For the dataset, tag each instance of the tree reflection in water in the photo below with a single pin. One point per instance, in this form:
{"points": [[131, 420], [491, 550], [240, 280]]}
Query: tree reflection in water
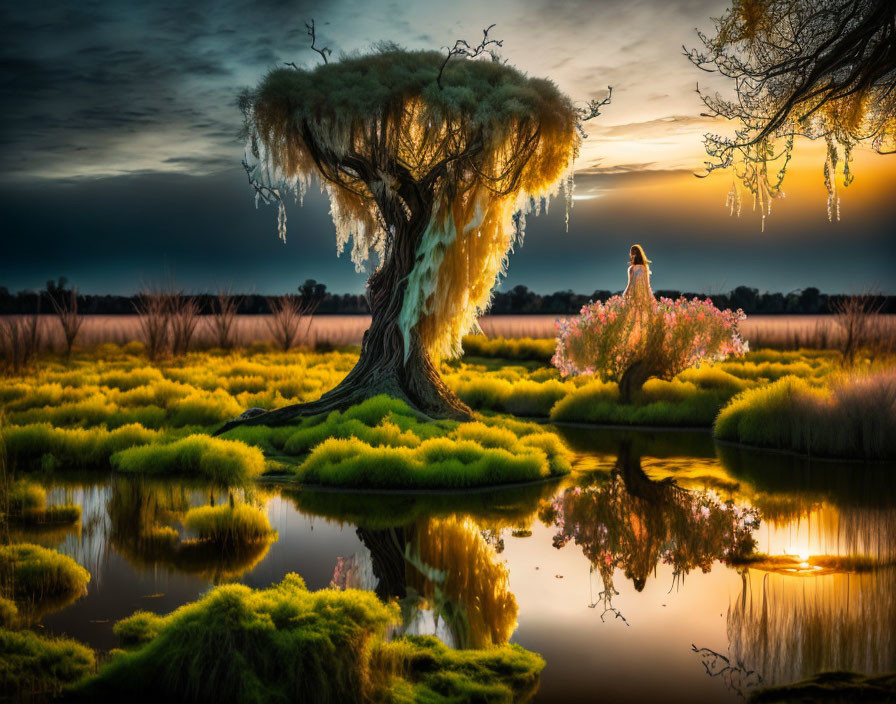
{"points": [[147, 527], [632, 523], [446, 576]]}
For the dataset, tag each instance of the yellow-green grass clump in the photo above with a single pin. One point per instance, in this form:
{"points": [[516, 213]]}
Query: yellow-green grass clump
{"points": [[229, 526], [42, 446], [507, 348], [660, 403], [39, 667], [225, 461], [382, 443], [429, 671], [286, 644], [38, 579], [28, 506], [852, 417]]}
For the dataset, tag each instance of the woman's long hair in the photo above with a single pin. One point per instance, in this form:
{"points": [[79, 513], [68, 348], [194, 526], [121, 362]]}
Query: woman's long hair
{"points": [[638, 257]]}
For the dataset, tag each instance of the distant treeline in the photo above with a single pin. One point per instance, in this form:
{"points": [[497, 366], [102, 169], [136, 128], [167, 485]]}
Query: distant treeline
{"points": [[518, 301]]}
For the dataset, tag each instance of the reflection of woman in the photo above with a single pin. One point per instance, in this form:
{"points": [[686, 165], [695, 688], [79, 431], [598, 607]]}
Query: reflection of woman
{"points": [[638, 288]]}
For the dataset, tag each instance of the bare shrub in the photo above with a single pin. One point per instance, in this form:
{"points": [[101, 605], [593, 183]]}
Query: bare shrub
{"points": [[154, 312], [184, 317], [68, 316], [223, 318], [12, 348], [286, 319], [855, 315], [20, 341]]}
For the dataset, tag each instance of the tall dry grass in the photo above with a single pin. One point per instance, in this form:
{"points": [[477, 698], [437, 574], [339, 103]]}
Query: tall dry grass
{"points": [[328, 331]]}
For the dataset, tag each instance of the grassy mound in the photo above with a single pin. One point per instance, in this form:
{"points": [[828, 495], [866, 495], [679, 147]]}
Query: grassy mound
{"points": [[383, 444], [34, 666], [852, 418], [229, 526], [286, 644], [675, 403], [39, 579], [28, 507], [429, 671], [220, 460]]}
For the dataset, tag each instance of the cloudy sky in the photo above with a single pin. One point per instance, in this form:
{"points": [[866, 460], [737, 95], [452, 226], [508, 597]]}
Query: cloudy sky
{"points": [[120, 160]]}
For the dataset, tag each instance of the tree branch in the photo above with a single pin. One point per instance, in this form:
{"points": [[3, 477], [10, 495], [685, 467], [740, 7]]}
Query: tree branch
{"points": [[323, 52], [462, 48], [592, 110]]}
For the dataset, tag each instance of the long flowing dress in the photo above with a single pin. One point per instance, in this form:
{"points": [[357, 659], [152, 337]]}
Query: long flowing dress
{"points": [[639, 297], [638, 289]]}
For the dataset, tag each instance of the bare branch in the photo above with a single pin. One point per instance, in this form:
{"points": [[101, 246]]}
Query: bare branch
{"points": [[592, 110], [462, 48], [326, 51]]}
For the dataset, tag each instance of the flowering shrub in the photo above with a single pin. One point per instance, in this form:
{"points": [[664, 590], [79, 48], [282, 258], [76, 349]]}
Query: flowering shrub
{"points": [[625, 338]]}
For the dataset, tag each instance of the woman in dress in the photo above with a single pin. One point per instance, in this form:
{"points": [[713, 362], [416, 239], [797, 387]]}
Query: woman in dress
{"points": [[638, 288]]}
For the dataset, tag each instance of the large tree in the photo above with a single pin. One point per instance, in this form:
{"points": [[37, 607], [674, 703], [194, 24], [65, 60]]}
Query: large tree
{"points": [[822, 69], [430, 166]]}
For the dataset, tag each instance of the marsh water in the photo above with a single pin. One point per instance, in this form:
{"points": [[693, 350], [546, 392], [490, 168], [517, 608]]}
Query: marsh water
{"points": [[627, 576]]}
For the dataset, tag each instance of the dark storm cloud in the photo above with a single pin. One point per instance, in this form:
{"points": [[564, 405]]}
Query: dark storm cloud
{"points": [[108, 76]]}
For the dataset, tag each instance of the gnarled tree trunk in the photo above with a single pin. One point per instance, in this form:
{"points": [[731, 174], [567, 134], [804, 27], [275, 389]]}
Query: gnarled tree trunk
{"points": [[633, 379], [382, 367]]}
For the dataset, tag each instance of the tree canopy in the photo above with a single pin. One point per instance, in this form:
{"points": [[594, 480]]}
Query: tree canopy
{"points": [[822, 69], [391, 145]]}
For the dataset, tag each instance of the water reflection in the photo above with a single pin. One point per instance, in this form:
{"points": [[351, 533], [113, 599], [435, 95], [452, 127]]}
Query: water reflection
{"points": [[148, 522], [629, 522], [481, 568], [788, 629]]}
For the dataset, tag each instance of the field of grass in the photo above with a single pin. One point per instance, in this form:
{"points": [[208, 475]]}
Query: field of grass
{"points": [[109, 408]]}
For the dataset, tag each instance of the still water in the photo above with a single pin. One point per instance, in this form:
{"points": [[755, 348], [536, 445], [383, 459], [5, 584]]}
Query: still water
{"points": [[626, 576]]}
